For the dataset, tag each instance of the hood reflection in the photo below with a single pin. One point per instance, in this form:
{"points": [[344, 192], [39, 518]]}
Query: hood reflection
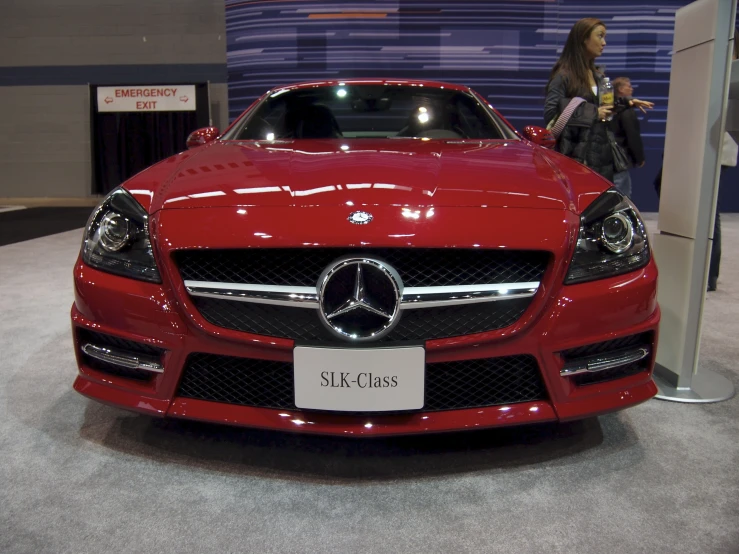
{"points": [[368, 172]]}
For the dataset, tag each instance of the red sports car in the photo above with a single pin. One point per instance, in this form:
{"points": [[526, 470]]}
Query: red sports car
{"points": [[367, 257]]}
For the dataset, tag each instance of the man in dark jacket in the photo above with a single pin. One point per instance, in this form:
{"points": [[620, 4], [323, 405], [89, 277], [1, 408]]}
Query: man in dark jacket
{"points": [[625, 127]]}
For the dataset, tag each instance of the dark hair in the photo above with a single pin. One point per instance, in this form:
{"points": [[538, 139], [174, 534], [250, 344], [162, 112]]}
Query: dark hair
{"points": [[574, 61]]}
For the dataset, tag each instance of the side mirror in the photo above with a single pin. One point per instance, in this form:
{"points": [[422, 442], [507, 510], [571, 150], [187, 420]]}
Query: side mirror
{"points": [[202, 136], [540, 136]]}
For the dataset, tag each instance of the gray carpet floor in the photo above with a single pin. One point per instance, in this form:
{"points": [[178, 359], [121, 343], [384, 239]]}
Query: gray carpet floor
{"points": [[77, 476]]}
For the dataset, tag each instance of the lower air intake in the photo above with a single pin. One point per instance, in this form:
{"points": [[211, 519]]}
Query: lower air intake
{"points": [[134, 348], [608, 347], [449, 385]]}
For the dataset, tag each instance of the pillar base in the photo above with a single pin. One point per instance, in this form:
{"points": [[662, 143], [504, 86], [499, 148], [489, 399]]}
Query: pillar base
{"points": [[705, 386]]}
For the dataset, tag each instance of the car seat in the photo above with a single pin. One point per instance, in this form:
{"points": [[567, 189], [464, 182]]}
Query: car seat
{"points": [[311, 122]]}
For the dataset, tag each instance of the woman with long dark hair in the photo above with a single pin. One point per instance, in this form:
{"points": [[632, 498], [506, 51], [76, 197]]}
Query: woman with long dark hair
{"points": [[585, 137]]}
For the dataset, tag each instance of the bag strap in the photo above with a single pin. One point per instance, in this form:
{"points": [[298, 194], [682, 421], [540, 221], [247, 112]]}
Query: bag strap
{"points": [[564, 117]]}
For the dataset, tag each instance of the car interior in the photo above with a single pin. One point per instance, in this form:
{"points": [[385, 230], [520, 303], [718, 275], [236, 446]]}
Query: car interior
{"points": [[366, 113], [310, 122]]}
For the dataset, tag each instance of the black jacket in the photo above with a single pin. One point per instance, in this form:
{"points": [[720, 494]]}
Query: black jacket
{"points": [[625, 127], [585, 138]]}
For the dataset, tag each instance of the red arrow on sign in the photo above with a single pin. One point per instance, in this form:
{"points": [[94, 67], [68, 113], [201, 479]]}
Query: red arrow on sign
{"points": [[184, 98], [108, 99]]}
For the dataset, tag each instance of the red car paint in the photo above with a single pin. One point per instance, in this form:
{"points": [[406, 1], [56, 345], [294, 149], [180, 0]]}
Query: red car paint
{"points": [[495, 194]]}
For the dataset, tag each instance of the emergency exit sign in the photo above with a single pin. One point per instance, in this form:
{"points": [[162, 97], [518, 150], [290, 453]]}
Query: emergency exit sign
{"points": [[152, 98]]}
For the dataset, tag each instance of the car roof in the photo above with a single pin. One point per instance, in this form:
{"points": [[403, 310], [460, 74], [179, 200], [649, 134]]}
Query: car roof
{"points": [[369, 81]]}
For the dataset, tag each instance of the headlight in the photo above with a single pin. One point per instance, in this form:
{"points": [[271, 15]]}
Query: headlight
{"points": [[117, 239], [612, 240]]}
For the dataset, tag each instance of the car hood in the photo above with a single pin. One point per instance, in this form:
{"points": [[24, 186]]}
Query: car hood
{"points": [[367, 172]]}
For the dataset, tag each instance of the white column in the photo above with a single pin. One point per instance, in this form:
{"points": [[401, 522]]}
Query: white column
{"points": [[699, 80]]}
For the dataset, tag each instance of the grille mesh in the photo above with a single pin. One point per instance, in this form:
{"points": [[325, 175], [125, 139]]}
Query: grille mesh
{"points": [[608, 346], [486, 382], [304, 324], [243, 381], [449, 385], [418, 267]]}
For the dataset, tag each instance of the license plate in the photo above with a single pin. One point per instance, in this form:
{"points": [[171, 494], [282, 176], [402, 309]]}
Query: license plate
{"points": [[359, 379]]}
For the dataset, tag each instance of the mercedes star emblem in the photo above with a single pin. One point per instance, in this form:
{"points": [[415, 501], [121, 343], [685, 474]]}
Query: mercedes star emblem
{"points": [[359, 298], [360, 218]]}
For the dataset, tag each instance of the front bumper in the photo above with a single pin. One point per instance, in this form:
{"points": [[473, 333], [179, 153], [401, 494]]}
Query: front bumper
{"points": [[568, 318]]}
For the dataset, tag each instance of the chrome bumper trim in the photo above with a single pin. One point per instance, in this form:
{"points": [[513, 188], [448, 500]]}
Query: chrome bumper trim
{"points": [[413, 297], [601, 362], [123, 359]]}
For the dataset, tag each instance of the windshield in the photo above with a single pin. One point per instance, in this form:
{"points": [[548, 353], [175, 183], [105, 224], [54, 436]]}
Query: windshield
{"points": [[370, 111]]}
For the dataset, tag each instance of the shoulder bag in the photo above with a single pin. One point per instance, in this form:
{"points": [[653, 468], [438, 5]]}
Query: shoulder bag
{"points": [[621, 160]]}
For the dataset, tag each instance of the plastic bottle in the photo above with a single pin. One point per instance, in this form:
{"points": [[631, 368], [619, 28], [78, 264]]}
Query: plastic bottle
{"points": [[605, 92]]}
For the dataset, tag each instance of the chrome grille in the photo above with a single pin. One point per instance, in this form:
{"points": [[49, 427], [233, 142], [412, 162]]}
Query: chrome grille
{"points": [[419, 268]]}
